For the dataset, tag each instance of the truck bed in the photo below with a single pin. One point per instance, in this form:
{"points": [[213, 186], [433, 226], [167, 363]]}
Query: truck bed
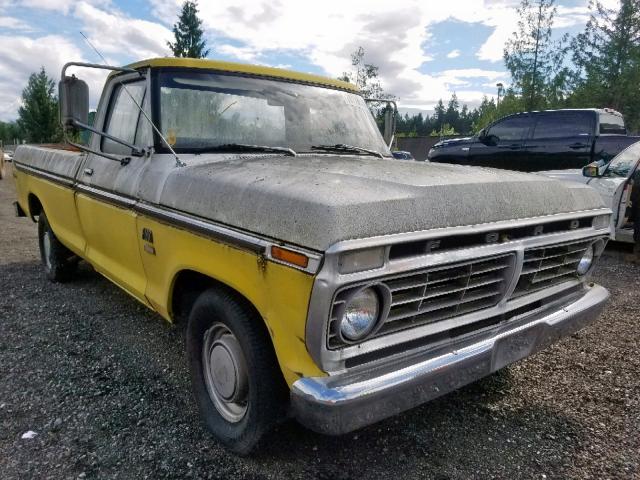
{"points": [[60, 159]]}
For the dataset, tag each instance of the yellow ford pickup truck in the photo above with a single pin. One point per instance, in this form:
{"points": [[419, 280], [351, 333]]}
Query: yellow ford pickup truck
{"points": [[317, 277]]}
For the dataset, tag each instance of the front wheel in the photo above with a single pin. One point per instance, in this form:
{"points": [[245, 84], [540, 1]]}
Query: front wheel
{"points": [[237, 384], [59, 262]]}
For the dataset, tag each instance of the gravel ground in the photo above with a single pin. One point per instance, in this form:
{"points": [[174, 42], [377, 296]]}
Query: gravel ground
{"points": [[103, 383]]}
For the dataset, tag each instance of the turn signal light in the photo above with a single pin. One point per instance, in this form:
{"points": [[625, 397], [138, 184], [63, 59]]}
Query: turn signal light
{"points": [[289, 256]]}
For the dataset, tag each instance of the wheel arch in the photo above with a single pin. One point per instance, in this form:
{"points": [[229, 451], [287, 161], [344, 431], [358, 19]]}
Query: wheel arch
{"points": [[34, 205], [188, 284]]}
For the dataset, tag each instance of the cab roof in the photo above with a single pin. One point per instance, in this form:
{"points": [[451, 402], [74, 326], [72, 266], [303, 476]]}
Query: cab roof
{"points": [[233, 67]]}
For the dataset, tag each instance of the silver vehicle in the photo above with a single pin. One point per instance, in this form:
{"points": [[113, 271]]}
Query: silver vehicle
{"points": [[613, 181]]}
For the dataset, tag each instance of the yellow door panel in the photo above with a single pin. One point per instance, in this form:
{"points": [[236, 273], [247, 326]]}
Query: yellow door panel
{"points": [[279, 293], [58, 204], [112, 246]]}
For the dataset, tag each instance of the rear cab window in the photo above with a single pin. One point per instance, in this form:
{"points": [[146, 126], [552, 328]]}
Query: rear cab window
{"points": [[612, 124]]}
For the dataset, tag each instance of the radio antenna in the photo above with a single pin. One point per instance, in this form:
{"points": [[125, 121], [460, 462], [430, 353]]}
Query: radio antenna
{"points": [[179, 163]]}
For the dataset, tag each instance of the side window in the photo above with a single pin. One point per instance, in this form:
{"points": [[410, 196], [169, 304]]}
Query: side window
{"points": [[123, 117], [610, 123], [511, 129], [563, 125]]}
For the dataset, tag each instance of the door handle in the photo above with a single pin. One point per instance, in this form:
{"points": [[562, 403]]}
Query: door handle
{"points": [[88, 171], [575, 146], [515, 146]]}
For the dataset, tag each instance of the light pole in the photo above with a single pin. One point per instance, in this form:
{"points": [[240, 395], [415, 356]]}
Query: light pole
{"points": [[500, 90]]}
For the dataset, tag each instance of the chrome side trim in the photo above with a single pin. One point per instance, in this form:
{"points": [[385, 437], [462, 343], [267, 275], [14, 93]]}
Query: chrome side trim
{"points": [[53, 177], [109, 197], [342, 403], [236, 238], [182, 220]]}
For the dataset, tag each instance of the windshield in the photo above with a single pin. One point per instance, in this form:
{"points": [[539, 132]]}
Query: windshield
{"points": [[624, 162], [200, 110]]}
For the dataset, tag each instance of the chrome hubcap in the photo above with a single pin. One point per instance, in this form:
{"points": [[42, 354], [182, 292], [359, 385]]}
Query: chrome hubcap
{"points": [[225, 372], [46, 244]]}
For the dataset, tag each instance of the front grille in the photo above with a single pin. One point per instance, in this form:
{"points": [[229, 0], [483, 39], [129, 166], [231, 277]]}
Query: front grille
{"points": [[551, 265], [431, 295], [453, 242]]}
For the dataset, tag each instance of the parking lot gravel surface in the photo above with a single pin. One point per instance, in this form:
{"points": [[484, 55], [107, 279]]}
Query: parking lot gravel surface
{"points": [[102, 383]]}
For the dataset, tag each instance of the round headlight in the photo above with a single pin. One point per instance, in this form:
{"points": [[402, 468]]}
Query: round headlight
{"points": [[586, 261], [360, 315]]}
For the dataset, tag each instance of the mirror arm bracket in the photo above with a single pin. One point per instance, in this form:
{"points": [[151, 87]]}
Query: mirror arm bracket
{"points": [[135, 151], [122, 161], [97, 65]]}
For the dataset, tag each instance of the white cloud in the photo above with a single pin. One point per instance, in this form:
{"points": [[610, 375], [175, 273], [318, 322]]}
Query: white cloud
{"points": [[12, 23], [395, 37], [115, 33], [61, 6], [246, 54], [505, 23], [50, 52]]}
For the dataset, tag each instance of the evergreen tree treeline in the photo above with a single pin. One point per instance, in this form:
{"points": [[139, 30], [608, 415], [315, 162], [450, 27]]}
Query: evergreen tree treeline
{"points": [[598, 68]]}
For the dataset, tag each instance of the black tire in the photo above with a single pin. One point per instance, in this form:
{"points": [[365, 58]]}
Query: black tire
{"points": [[266, 398], [59, 262]]}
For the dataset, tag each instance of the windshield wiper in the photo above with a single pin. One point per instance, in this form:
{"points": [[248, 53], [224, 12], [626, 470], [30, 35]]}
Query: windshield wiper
{"points": [[243, 147], [341, 147]]}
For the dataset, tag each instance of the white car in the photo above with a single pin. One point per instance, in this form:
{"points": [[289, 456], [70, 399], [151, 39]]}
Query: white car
{"points": [[613, 181]]}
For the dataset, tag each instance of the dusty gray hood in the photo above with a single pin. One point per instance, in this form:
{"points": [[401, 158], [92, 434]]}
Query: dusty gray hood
{"points": [[573, 175], [315, 201]]}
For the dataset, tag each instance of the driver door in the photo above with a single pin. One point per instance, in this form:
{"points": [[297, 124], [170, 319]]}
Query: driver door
{"points": [[107, 188]]}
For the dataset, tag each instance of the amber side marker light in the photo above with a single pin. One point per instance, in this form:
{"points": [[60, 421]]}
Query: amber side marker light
{"points": [[289, 256]]}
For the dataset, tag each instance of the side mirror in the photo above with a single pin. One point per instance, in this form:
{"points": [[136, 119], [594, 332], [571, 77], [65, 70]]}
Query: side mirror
{"points": [[389, 124], [594, 169], [74, 102], [390, 115]]}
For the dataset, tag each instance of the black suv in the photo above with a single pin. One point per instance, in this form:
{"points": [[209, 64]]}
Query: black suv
{"points": [[535, 141]]}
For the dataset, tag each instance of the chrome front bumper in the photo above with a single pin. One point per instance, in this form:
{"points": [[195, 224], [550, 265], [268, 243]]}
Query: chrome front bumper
{"points": [[341, 403]]}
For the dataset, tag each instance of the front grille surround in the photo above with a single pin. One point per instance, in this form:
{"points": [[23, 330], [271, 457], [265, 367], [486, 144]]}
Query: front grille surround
{"points": [[445, 292], [330, 280]]}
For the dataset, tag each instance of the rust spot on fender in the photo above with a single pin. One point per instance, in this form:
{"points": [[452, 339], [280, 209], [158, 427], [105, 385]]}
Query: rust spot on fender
{"points": [[262, 263]]}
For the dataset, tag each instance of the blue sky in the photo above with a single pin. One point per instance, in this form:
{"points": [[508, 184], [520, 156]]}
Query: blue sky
{"points": [[425, 49]]}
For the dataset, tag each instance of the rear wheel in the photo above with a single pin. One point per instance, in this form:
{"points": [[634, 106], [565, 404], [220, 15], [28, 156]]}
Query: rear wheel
{"points": [[59, 262], [237, 384]]}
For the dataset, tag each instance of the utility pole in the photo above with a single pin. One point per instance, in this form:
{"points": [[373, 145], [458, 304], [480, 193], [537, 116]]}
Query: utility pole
{"points": [[500, 89]]}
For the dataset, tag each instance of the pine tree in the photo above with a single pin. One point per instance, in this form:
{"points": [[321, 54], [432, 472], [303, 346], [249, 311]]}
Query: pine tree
{"points": [[535, 61], [38, 116], [607, 59], [439, 115], [365, 76], [188, 33]]}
